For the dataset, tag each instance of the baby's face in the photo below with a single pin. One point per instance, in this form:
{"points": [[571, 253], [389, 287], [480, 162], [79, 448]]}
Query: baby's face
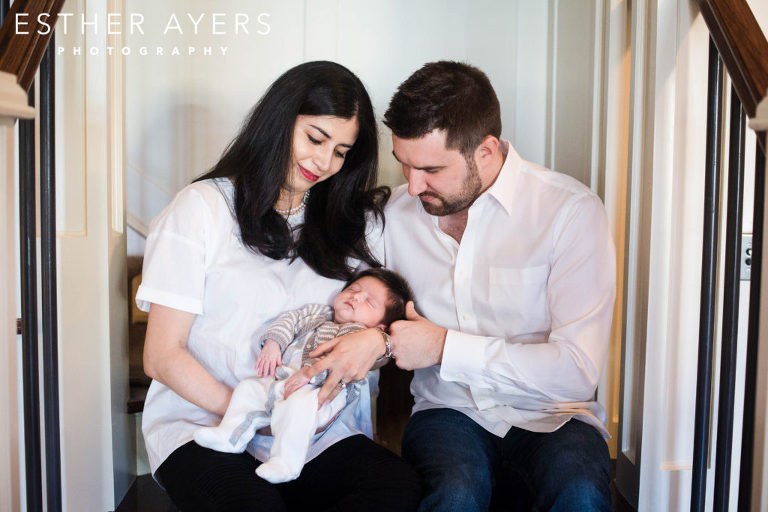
{"points": [[364, 301]]}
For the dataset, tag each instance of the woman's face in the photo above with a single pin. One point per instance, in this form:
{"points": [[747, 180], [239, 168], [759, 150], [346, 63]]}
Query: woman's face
{"points": [[320, 144]]}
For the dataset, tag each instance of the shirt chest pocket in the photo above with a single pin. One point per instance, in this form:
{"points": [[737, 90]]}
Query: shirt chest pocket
{"points": [[518, 299]]}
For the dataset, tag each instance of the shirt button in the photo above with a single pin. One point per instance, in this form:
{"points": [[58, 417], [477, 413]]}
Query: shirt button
{"points": [[465, 318]]}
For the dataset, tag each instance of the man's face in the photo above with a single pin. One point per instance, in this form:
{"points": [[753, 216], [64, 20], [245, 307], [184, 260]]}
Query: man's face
{"points": [[442, 178]]}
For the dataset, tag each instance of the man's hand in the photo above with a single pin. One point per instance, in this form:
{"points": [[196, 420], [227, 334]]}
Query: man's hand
{"points": [[269, 358], [347, 359], [416, 342]]}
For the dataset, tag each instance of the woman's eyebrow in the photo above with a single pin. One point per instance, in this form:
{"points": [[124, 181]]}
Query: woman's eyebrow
{"points": [[325, 134], [320, 130]]}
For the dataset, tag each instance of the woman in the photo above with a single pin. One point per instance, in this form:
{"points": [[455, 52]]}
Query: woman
{"points": [[278, 222]]}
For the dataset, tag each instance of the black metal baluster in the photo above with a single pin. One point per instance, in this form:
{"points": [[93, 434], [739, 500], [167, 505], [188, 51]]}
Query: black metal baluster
{"points": [[708, 280], [730, 325], [750, 377], [48, 263], [28, 254]]}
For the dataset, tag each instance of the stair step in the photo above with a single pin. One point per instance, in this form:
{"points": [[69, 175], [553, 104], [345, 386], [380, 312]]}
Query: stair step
{"points": [[145, 495]]}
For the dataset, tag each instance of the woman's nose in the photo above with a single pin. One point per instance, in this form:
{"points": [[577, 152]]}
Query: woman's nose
{"points": [[323, 158]]}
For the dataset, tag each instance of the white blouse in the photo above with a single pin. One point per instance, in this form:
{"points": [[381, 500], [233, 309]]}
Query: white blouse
{"points": [[195, 262]]}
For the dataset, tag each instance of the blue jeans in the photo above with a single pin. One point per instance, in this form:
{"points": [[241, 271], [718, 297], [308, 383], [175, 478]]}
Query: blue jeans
{"points": [[460, 464]]}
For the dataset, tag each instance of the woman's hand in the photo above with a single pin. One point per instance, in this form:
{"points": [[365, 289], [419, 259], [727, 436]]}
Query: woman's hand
{"points": [[292, 383], [167, 360], [295, 381], [347, 359], [269, 358]]}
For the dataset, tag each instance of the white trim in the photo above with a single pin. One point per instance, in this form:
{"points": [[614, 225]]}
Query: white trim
{"points": [[137, 225], [11, 449], [760, 450], [610, 152], [116, 123], [636, 251], [123, 425], [599, 57], [551, 143]]}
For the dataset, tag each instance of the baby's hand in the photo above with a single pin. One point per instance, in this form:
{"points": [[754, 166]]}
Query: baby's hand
{"points": [[269, 358]]}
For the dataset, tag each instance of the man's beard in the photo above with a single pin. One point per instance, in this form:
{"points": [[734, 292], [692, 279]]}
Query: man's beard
{"points": [[470, 190]]}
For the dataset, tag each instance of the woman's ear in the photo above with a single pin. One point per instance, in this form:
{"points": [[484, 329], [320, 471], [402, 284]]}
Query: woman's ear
{"points": [[382, 327]]}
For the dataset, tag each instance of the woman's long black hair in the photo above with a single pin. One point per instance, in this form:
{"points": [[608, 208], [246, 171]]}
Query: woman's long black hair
{"points": [[258, 161]]}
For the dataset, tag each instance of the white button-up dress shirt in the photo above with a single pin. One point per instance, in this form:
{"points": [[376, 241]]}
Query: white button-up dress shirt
{"points": [[527, 298]]}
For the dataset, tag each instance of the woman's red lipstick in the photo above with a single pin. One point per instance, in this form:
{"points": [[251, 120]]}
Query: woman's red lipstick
{"points": [[307, 174]]}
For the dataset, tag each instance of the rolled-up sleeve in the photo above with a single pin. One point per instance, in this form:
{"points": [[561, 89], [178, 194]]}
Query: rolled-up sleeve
{"points": [[173, 273]]}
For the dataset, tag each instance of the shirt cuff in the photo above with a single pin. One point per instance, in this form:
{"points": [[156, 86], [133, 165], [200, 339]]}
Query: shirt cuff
{"points": [[277, 337], [463, 357]]}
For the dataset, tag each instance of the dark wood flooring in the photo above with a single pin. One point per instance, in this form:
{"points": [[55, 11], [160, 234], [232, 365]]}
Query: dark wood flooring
{"points": [[146, 496]]}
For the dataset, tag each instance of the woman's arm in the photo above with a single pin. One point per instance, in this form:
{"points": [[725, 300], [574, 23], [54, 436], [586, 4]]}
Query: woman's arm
{"points": [[167, 360]]}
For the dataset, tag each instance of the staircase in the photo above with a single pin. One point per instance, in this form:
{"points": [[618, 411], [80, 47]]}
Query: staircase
{"points": [[138, 380]]}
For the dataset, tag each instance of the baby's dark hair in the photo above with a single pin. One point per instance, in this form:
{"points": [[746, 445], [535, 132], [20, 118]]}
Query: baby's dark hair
{"points": [[399, 291]]}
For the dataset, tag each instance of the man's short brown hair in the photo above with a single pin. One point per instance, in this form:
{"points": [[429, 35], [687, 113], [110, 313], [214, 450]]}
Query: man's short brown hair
{"points": [[450, 96]]}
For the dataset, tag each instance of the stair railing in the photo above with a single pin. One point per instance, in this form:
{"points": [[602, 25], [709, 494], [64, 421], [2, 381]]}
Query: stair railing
{"points": [[738, 45], [22, 52]]}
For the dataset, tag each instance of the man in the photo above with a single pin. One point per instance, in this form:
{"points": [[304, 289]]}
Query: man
{"points": [[513, 269]]}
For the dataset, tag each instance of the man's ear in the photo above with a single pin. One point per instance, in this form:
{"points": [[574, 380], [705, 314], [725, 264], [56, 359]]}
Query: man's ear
{"points": [[487, 148]]}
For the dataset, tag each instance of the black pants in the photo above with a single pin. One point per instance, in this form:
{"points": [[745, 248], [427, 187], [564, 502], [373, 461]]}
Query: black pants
{"points": [[354, 474]]}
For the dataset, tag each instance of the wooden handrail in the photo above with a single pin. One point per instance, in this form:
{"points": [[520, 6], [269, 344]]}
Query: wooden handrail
{"points": [[743, 48], [20, 54]]}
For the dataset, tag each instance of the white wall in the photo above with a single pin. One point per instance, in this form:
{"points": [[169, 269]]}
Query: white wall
{"points": [[183, 110]]}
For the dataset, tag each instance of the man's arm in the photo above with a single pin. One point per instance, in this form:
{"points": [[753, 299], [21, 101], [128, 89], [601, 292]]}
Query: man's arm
{"points": [[565, 368], [581, 289]]}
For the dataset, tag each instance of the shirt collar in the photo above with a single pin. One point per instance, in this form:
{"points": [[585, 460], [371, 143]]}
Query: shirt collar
{"points": [[503, 188]]}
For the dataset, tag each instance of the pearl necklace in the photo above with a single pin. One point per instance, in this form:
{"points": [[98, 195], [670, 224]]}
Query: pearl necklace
{"points": [[296, 209]]}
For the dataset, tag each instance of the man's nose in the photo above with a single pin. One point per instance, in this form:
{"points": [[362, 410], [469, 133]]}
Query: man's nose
{"points": [[416, 182]]}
